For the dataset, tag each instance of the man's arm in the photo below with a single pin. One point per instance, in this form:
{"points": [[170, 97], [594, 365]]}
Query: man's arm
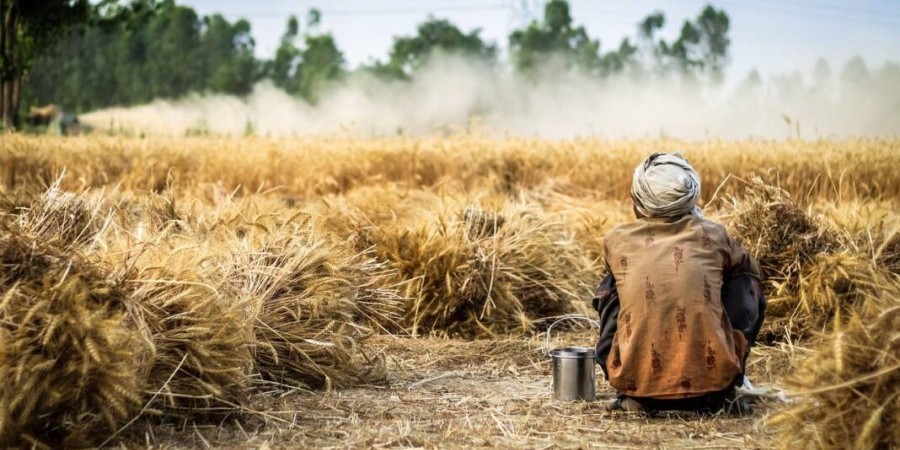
{"points": [[745, 305], [606, 302], [742, 295]]}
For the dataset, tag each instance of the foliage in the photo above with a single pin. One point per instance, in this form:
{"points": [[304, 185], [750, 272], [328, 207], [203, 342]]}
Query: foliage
{"points": [[306, 70], [28, 28], [166, 50], [410, 53], [555, 36], [163, 50]]}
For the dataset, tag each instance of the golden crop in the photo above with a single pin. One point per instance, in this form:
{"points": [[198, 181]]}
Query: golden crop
{"points": [[179, 273]]}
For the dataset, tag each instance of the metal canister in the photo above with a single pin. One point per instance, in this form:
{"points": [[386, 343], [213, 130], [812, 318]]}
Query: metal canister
{"points": [[573, 374], [573, 367]]}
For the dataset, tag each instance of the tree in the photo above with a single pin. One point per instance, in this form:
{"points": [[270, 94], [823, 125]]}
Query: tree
{"points": [[647, 30], [282, 67], [855, 71], [702, 44], [159, 50], [822, 77], [555, 36], [227, 56], [29, 28], [434, 36], [305, 70], [320, 63]]}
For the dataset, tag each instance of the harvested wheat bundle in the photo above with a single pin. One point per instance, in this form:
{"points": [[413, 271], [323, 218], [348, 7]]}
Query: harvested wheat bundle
{"points": [[303, 296], [147, 213], [786, 241], [358, 214], [587, 218], [888, 253], [199, 355], [74, 218], [480, 273], [776, 231], [837, 282], [848, 395], [67, 360]]}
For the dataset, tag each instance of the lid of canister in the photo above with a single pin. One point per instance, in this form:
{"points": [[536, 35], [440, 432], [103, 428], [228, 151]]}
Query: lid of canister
{"points": [[573, 352]]}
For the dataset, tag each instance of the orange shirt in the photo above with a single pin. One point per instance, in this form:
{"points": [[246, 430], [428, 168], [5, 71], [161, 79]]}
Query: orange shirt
{"points": [[674, 339]]}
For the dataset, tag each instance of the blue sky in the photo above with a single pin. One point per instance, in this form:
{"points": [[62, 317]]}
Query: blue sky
{"points": [[772, 36]]}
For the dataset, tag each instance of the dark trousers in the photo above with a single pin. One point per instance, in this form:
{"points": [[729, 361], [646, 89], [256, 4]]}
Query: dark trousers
{"points": [[712, 402]]}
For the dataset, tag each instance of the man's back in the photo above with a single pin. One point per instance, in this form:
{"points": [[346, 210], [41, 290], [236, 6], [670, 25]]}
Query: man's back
{"points": [[674, 338]]}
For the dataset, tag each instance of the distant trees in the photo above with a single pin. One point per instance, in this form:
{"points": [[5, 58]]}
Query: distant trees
{"points": [[160, 50], [166, 50], [85, 55], [434, 36], [554, 37], [701, 47], [303, 70], [28, 28]]}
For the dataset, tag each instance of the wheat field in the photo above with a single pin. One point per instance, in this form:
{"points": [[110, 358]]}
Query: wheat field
{"points": [[341, 292]]}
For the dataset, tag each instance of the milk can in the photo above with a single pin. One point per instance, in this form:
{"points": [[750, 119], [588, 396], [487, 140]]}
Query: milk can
{"points": [[573, 368]]}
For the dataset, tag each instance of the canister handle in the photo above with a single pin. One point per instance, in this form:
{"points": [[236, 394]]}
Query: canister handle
{"points": [[593, 322]]}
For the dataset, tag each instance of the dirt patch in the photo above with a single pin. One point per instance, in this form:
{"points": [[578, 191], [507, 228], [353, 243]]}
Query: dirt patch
{"points": [[448, 393]]}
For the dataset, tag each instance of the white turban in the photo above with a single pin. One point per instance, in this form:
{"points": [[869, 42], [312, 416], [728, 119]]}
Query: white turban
{"points": [[665, 185]]}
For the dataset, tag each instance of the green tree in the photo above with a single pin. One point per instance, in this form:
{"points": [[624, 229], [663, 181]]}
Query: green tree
{"points": [[29, 28], [282, 68], [304, 71], [647, 36], [321, 62], [438, 35], [227, 56], [702, 44], [161, 50], [173, 40], [554, 36], [434, 36]]}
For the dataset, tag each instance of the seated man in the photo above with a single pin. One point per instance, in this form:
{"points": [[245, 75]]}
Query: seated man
{"points": [[681, 303]]}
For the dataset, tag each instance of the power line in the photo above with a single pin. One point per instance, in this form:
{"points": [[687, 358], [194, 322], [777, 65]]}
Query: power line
{"points": [[380, 12]]}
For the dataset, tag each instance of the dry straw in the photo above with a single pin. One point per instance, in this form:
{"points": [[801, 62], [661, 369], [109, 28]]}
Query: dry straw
{"points": [[307, 301], [199, 359], [810, 273], [848, 396], [478, 272], [66, 354]]}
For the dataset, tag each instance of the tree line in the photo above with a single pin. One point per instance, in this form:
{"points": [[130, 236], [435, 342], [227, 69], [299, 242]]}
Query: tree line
{"points": [[105, 53]]}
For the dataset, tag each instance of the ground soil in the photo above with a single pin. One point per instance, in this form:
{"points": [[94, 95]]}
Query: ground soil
{"points": [[446, 393]]}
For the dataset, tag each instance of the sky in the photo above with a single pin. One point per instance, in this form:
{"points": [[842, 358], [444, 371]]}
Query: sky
{"points": [[772, 36]]}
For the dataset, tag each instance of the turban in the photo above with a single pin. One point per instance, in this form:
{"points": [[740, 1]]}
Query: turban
{"points": [[666, 186]]}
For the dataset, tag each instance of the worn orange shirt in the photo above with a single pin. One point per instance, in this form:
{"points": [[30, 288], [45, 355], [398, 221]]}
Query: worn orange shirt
{"points": [[674, 339]]}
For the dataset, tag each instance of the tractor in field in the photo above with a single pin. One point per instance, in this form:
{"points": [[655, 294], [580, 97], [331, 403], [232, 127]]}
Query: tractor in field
{"points": [[55, 119]]}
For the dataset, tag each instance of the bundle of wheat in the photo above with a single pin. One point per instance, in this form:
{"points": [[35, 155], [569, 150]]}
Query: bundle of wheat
{"points": [[848, 395], [67, 358], [776, 231], [837, 282], [587, 218], [304, 296], [358, 214], [479, 272], [888, 253], [74, 218], [785, 241], [199, 355], [147, 213]]}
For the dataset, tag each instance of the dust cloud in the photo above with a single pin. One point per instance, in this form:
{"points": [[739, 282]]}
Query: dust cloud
{"points": [[453, 95]]}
